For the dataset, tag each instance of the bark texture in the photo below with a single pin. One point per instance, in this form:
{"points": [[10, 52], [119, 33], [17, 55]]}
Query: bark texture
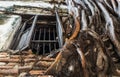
{"points": [[93, 44]]}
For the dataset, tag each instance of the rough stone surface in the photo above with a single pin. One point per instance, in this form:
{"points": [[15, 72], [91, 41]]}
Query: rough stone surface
{"points": [[23, 65]]}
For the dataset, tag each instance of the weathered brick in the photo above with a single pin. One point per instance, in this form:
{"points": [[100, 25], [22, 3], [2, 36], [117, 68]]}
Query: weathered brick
{"points": [[11, 64], [2, 63], [6, 67], [9, 71], [36, 72]]}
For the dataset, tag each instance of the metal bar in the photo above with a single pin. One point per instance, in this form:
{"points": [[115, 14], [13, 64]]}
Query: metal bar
{"points": [[44, 33], [32, 45], [39, 33], [35, 45], [44, 43], [49, 40], [43, 48], [54, 38], [38, 47], [34, 34], [34, 38], [45, 24]]}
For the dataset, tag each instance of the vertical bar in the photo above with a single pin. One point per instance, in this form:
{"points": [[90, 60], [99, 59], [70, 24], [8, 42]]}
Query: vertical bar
{"points": [[34, 38], [38, 47], [44, 43], [39, 38], [54, 37], [44, 33], [39, 34], [32, 45], [34, 35], [49, 43]]}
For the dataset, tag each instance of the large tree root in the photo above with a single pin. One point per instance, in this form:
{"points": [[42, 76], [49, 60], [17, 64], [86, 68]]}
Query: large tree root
{"points": [[95, 37]]}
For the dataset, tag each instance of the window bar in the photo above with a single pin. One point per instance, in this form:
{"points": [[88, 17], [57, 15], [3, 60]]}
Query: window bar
{"points": [[34, 35], [39, 34], [54, 37], [38, 47], [44, 39], [49, 39], [34, 39]]}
